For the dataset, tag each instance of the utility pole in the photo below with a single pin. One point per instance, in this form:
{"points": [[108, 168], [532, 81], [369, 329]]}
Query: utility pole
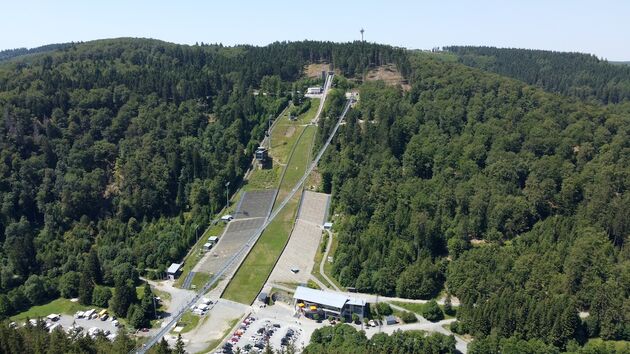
{"points": [[227, 195], [269, 132], [154, 307]]}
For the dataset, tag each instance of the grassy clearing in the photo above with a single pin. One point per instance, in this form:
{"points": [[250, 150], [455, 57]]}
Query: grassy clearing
{"points": [[299, 162], [259, 263], [263, 179], [189, 321], [59, 306], [285, 134], [199, 280], [419, 308]]}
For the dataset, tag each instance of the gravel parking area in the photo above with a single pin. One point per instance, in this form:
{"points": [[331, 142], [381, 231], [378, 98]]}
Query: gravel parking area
{"points": [[107, 326]]}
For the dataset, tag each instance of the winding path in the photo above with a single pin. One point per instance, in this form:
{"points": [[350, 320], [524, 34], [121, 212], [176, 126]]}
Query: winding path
{"points": [[325, 259]]}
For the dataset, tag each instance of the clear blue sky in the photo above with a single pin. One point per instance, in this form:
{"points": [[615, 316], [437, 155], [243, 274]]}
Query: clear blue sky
{"points": [[600, 27]]}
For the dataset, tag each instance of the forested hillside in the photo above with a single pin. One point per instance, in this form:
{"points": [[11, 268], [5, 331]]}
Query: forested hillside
{"points": [[513, 199], [12, 53], [113, 152], [575, 74]]}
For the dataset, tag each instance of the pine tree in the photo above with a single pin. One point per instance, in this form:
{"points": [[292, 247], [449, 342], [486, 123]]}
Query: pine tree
{"points": [[86, 288], [162, 347], [124, 296], [148, 304], [123, 343], [93, 267], [179, 345]]}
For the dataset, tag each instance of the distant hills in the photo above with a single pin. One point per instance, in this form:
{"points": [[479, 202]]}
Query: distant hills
{"points": [[12, 53], [576, 74]]}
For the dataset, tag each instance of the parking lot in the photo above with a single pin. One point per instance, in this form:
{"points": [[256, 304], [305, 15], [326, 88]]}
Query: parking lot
{"points": [[107, 326], [271, 323]]}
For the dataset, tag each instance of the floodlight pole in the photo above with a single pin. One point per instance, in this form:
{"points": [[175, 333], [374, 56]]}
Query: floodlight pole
{"points": [[269, 131], [227, 195]]}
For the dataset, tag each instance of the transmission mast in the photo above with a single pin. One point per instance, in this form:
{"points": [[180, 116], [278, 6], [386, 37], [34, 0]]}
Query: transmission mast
{"points": [[362, 30]]}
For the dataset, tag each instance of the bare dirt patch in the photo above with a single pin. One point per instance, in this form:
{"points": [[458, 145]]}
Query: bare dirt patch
{"points": [[389, 74], [290, 131], [315, 70]]}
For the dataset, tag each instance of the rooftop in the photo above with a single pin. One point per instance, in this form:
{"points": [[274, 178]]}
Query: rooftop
{"points": [[173, 268], [327, 298]]}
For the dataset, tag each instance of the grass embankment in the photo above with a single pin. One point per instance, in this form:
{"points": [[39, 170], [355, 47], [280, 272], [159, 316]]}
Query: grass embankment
{"points": [[286, 133], [58, 306], [259, 263], [189, 321], [419, 308]]}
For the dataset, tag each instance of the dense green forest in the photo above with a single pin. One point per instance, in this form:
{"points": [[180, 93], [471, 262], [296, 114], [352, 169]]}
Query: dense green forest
{"points": [[37, 339], [575, 74], [342, 339], [114, 152], [513, 199]]}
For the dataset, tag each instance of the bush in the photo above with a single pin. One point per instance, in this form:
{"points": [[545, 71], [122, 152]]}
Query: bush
{"points": [[433, 312], [456, 327], [408, 317], [101, 296], [448, 306], [356, 319], [384, 309], [69, 284]]}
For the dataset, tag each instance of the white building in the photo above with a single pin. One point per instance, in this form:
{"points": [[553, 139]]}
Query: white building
{"points": [[324, 303], [174, 270], [314, 90]]}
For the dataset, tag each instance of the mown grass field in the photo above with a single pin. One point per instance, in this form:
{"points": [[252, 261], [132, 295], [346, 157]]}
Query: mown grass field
{"points": [[189, 321], [300, 159], [286, 133], [419, 308], [59, 306]]}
